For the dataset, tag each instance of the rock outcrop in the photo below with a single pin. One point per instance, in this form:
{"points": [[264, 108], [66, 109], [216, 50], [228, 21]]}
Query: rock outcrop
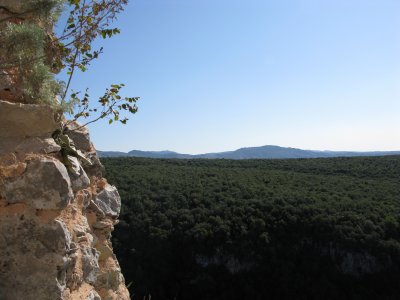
{"points": [[55, 225]]}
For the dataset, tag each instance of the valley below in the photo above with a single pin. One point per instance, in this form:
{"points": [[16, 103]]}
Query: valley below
{"points": [[324, 228]]}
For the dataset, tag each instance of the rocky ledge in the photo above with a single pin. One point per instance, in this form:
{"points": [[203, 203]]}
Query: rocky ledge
{"points": [[55, 226]]}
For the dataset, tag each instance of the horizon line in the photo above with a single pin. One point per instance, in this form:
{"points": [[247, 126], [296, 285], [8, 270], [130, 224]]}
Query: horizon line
{"points": [[246, 147]]}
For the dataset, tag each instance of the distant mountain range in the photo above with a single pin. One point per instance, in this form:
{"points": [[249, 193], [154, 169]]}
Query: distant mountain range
{"points": [[263, 152]]}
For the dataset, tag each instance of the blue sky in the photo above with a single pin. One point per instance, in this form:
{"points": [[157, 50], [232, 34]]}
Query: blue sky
{"points": [[217, 75]]}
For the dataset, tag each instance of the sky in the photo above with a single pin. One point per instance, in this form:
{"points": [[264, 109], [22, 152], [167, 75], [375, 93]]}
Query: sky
{"points": [[218, 75]]}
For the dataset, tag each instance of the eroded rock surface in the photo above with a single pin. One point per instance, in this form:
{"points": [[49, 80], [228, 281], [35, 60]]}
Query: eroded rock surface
{"points": [[26, 120], [108, 201], [45, 184], [80, 136], [55, 224], [28, 144]]}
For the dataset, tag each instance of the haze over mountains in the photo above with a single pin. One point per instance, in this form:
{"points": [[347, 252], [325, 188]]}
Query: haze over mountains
{"points": [[262, 152]]}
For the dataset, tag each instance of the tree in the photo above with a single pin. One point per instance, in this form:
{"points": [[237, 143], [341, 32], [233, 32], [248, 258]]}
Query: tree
{"points": [[32, 54]]}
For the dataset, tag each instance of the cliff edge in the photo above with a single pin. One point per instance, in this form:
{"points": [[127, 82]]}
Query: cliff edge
{"points": [[55, 223]]}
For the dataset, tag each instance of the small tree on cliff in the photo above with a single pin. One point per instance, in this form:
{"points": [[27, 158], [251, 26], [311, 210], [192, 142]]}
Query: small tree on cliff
{"points": [[31, 55]]}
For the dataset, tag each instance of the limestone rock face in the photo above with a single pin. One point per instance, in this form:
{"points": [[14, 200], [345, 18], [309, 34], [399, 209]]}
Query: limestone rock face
{"points": [[55, 223], [44, 185], [26, 120], [79, 180], [29, 144], [90, 264], [108, 201], [96, 169], [80, 136], [31, 251]]}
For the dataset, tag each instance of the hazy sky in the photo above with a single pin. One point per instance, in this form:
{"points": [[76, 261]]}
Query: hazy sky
{"points": [[216, 75]]}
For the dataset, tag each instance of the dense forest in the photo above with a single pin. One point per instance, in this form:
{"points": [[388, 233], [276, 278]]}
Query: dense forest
{"points": [[259, 229]]}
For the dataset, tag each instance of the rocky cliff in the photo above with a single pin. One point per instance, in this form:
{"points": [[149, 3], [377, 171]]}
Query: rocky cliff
{"points": [[55, 224]]}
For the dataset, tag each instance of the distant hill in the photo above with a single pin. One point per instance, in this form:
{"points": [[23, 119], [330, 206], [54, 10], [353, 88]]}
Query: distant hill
{"points": [[263, 152]]}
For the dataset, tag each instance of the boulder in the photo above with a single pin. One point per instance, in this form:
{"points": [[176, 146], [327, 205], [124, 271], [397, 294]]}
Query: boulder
{"points": [[44, 185], [26, 120], [79, 179], [108, 201], [38, 145], [28, 145], [96, 168], [80, 136]]}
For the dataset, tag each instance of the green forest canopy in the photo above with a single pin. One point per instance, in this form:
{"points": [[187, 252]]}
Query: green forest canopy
{"points": [[259, 229]]}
